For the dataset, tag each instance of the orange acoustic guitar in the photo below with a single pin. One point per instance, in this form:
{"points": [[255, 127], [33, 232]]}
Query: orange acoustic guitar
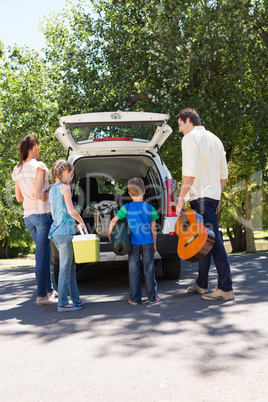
{"points": [[195, 240]]}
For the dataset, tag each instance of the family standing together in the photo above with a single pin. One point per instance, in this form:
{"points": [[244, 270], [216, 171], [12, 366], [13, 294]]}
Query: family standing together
{"points": [[49, 213]]}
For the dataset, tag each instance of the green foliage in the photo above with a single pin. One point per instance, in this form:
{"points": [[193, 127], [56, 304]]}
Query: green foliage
{"points": [[165, 55], [9, 212], [27, 106], [20, 241], [158, 56]]}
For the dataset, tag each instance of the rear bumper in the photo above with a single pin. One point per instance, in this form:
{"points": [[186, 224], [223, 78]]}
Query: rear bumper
{"points": [[166, 248]]}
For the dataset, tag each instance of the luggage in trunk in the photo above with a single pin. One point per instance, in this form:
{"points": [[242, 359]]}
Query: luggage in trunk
{"points": [[104, 213]]}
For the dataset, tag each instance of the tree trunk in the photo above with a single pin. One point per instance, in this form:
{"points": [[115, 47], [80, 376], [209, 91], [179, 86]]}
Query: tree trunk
{"points": [[250, 243], [244, 218], [4, 248], [238, 240]]}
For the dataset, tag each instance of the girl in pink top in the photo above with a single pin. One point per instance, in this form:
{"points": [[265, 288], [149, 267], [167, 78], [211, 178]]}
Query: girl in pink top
{"points": [[31, 188]]}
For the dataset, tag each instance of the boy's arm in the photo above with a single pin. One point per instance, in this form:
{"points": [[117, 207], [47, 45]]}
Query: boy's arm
{"points": [[111, 226], [154, 233], [121, 214]]}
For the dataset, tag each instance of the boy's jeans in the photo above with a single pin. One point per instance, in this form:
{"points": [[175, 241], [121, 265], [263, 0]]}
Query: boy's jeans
{"points": [[134, 269], [67, 275], [38, 226], [207, 208]]}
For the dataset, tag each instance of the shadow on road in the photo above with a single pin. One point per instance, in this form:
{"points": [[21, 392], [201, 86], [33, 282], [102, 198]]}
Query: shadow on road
{"points": [[133, 330]]}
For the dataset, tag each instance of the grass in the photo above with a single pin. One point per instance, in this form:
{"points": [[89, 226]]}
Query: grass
{"points": [[258, 235], [262, 234]]}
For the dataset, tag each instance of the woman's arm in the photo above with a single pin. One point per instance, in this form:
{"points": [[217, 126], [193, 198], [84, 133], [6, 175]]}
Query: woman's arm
{"points": [[39, 185], [18, 193], [66, 191]]}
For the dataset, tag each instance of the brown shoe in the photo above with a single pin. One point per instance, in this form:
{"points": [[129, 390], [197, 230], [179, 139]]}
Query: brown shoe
{"points": [[196, 289], [219, 294]]}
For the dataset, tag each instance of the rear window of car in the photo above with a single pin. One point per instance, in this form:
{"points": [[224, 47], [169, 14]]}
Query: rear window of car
{"points": [[88, 133]]}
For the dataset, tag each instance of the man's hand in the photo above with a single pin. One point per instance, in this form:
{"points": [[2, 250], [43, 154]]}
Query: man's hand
{"points": [[218, 208], [180, 205], [187, 181]]}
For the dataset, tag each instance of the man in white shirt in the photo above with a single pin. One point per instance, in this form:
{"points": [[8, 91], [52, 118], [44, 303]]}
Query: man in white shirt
{"points": [[204, 174]]}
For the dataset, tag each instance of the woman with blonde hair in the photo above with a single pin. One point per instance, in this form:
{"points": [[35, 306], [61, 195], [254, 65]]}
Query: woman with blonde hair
{"points": [[61, 232]]}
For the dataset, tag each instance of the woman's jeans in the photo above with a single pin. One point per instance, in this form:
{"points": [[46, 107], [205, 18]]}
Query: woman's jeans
{"points": [[207, 208], [67, 276], [134, 270], [38, 226]]}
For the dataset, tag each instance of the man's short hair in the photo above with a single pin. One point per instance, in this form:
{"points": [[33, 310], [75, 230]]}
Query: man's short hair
{"points": [[192, 114], [136, 186]]}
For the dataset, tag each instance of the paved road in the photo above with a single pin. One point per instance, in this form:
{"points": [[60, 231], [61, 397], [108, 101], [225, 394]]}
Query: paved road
{"points": [[182, 349]]}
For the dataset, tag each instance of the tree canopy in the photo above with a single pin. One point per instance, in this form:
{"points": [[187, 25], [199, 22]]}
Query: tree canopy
{"points": [[158, 56], [28, 105]]}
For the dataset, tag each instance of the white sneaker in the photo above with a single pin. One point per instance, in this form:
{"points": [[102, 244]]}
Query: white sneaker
{"points": [[42, 301], [196, 289], [219, 294], [69, 307]]}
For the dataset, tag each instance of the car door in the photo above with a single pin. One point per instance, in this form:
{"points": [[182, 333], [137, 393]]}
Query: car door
{"points": [[113, 132]]}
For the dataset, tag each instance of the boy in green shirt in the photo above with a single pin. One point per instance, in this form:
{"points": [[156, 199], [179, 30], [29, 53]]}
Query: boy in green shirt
{"points": [[141, 218]]}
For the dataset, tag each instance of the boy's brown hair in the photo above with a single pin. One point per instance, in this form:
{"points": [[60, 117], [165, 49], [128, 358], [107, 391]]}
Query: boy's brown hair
{"points": [[136, 186]]}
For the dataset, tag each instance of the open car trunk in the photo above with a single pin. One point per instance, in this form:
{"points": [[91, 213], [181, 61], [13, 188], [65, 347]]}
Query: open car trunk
{"points": [[103, 178]]}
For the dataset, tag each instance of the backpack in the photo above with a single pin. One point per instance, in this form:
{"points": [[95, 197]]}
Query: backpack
{"points": [[103, 214], [78, 208], [89, 210]]}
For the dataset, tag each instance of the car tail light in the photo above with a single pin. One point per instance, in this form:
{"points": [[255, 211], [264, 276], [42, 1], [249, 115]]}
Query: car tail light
{"points": [[171, 207], [112, 139]]}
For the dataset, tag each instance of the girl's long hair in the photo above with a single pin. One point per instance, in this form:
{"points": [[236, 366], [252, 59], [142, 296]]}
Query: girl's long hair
{"points": [[26, 144], [58, 167]]}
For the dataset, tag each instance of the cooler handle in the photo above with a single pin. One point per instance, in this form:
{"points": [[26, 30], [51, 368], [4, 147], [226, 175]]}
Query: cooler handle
{"points": [[82, 231]]}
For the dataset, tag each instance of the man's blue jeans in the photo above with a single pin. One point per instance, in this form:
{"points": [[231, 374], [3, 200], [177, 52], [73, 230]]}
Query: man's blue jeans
{"points": [[38, 226], [67, 276], [207, 208], [134, 271]]}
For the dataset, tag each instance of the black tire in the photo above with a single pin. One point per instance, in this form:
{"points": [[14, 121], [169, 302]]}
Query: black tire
{"points": [[54, 262], [171, 268], [56, 270]]}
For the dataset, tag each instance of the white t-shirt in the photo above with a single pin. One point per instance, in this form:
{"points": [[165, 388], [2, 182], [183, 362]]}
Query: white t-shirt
{"points": [[25, 175], [203, 157]]}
